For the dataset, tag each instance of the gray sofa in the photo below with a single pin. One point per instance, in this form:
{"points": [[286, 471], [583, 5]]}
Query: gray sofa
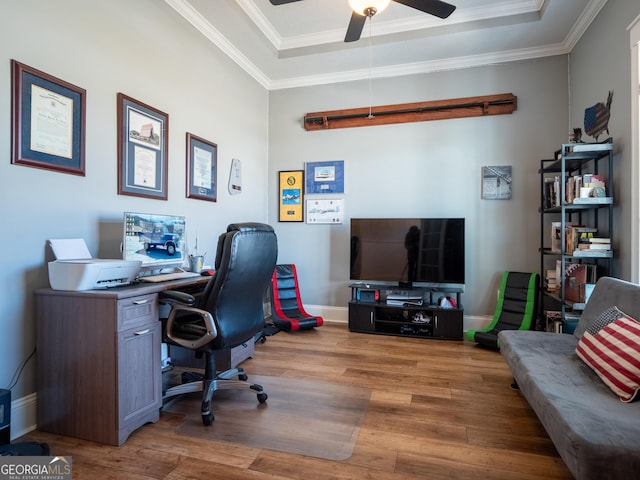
{"points": [[596, 434]]}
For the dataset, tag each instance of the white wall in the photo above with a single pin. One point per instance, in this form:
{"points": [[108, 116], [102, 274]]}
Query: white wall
{"points": [[427, 169], [145, 50]]}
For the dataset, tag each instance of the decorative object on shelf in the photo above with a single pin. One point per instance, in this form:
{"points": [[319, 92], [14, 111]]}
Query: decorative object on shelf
{"points": [[596, 118], [143, 137], [325, 211], [290, 195], [576, 136], [202, 160], [325, 177], [48, 120], [235, 177], [496, 183]]}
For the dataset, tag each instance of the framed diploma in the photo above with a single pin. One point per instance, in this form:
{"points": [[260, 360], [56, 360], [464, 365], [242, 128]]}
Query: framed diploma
{"points": [[48, 120], [290, 188], [202, 158], [143, 135]]}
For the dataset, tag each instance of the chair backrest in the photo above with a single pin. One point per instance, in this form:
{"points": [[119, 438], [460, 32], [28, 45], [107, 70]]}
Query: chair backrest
{"points": [[518, 301], [245, 259]]}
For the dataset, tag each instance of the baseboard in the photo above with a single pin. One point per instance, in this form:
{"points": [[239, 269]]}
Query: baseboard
{"points": [[23, 416]]}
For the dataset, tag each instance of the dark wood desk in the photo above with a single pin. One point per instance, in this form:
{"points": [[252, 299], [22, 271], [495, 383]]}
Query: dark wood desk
{"points": [[99, 371]]}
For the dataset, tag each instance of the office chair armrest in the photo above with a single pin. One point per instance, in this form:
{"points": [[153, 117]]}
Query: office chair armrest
{"points": [[174, 297], [203, 334]]}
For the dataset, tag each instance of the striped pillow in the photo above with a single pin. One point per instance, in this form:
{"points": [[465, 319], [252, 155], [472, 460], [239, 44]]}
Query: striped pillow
{"points": [[614, 354]]}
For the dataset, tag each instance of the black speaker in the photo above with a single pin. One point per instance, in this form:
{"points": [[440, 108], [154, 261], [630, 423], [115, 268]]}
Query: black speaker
{"points": [[5, 417]]}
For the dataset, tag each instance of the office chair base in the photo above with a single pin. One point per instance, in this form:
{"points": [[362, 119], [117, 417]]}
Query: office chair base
{"points": [[223, 381]]}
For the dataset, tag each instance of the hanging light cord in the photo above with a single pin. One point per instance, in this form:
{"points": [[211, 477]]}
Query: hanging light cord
{"points": [[370, 69]]}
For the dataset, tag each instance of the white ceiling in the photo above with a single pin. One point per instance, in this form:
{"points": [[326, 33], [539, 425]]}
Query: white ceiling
{"points": [[301, 43]]}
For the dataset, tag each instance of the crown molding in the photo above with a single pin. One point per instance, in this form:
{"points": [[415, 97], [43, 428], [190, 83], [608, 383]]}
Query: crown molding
{"points": [[186, 10]]}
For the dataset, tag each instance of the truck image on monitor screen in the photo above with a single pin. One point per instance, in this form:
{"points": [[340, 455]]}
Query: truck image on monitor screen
{"points": [[160, 237]]}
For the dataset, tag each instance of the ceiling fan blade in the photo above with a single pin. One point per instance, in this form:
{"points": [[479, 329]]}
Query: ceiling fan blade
{"points": [[282, 2], [354, 30], [433, 7]]}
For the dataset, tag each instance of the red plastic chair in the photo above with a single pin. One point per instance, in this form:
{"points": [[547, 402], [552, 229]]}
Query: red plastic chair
{"points": [[287, 311]]}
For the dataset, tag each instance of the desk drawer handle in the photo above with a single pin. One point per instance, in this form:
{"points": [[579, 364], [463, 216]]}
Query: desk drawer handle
{"points": [[142, 332], [140, 302]]}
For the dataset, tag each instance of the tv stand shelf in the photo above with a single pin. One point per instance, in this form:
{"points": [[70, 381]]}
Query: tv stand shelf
{"points": [[370, 313]]}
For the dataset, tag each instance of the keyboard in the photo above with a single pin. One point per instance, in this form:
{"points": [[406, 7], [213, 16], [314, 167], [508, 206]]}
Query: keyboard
{"points": [[166, 277]]}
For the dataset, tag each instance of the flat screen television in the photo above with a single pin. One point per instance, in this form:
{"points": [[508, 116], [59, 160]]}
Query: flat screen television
{"points": [[157, 240], [425, 251]]}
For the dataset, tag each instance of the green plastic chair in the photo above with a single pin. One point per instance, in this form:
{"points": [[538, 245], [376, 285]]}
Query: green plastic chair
{"points": [[516, 308]]}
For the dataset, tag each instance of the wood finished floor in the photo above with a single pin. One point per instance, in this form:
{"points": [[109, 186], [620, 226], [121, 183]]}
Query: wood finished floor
{"points": [[438, 410]]}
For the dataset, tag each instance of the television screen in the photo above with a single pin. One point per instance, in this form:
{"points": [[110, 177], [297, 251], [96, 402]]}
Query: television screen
{"points": [[156, 240], [408, 250]]}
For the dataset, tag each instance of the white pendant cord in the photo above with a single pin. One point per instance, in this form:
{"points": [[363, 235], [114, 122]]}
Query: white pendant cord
{"points": [[370, 69]]}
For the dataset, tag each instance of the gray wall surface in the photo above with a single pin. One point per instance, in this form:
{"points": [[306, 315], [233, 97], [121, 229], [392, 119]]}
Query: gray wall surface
{"points": [[426, 169], [146, 51]]}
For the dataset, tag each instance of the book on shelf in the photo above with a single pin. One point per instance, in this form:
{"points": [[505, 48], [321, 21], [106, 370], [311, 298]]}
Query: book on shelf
{"points": [[600, 240], [575, 277], [594, 246]]}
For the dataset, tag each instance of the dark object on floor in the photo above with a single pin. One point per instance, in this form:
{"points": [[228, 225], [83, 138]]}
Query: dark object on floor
{"points": [[24, 449], [516, 308], [229, 312], [287, 311]]}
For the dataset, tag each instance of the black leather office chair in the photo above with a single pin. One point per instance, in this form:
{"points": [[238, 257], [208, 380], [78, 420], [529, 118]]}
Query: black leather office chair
{"points": [[229, 312]]}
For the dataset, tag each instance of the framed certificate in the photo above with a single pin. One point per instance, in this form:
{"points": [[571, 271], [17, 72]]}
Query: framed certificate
{"points": [[291, 183], [202, 157], [143, 135], [48, 119]]}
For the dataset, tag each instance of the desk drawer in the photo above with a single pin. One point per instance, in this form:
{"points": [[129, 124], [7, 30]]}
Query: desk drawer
{"points": [[137, 311]]}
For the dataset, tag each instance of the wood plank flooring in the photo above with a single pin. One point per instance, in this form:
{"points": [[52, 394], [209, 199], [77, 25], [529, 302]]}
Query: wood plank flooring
{"points": [[438, 410]]}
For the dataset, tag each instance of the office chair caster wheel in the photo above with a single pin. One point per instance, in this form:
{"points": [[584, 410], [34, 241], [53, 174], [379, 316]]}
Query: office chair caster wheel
{"points": [[207, 419], [243, 377], [262, 397]]}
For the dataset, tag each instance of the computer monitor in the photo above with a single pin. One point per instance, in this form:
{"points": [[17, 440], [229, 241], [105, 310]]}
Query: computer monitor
{"points": [[158, 241]]}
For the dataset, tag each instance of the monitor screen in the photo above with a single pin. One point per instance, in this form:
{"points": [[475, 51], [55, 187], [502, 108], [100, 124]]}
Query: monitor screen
{"points": [[158, 241]]}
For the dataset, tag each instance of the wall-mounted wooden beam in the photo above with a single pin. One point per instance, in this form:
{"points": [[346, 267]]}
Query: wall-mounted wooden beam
{"points": [[412, 112]]}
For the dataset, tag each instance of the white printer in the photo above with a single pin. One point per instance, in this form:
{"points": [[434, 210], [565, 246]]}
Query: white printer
{"points": [[74, 269]]}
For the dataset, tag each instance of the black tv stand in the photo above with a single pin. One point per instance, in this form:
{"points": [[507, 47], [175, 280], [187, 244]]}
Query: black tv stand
{"points": [[405, 311]]}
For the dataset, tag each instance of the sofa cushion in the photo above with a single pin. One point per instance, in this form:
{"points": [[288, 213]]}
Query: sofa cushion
{"points": [[613, 352]]}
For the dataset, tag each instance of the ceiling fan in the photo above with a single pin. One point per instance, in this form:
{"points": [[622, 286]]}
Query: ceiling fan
{"points": [[363, 9]]}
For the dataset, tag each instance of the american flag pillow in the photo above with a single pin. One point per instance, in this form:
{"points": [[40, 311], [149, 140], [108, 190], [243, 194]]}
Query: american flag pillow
{"points": [[614, 354]]}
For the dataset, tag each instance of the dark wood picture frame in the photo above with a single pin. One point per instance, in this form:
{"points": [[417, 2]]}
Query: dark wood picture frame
{"points": [[143, 139], [48, 121], [202, 161], [290, 188]]}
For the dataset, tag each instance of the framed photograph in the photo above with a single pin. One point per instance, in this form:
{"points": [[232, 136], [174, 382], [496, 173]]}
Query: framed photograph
{"points": [[202, 160], [325, 177], [143, 135], [325, 211], [48, 121], [290, 196], [496, 183]]}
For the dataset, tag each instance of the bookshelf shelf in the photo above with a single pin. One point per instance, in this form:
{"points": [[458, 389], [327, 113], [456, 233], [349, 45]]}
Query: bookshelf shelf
{"points": [[576, 204]]}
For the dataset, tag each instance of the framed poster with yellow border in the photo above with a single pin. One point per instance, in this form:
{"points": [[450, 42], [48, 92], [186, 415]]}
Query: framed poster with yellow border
{"points": [[291, 183]]}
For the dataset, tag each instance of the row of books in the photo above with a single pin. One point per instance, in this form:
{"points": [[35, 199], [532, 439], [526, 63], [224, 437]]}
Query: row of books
{"points": [[578, 189], [579, 240]]}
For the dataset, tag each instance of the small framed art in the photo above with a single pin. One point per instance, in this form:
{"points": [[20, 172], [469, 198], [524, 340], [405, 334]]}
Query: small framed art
{"points": [[143, 135], [48, 120], [202, 158], [290, 187], [496, 183], [325, 177]]}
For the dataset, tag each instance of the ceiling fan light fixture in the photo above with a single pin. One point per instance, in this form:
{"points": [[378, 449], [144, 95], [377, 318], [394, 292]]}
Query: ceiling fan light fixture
{"points": [[368, 8]]}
